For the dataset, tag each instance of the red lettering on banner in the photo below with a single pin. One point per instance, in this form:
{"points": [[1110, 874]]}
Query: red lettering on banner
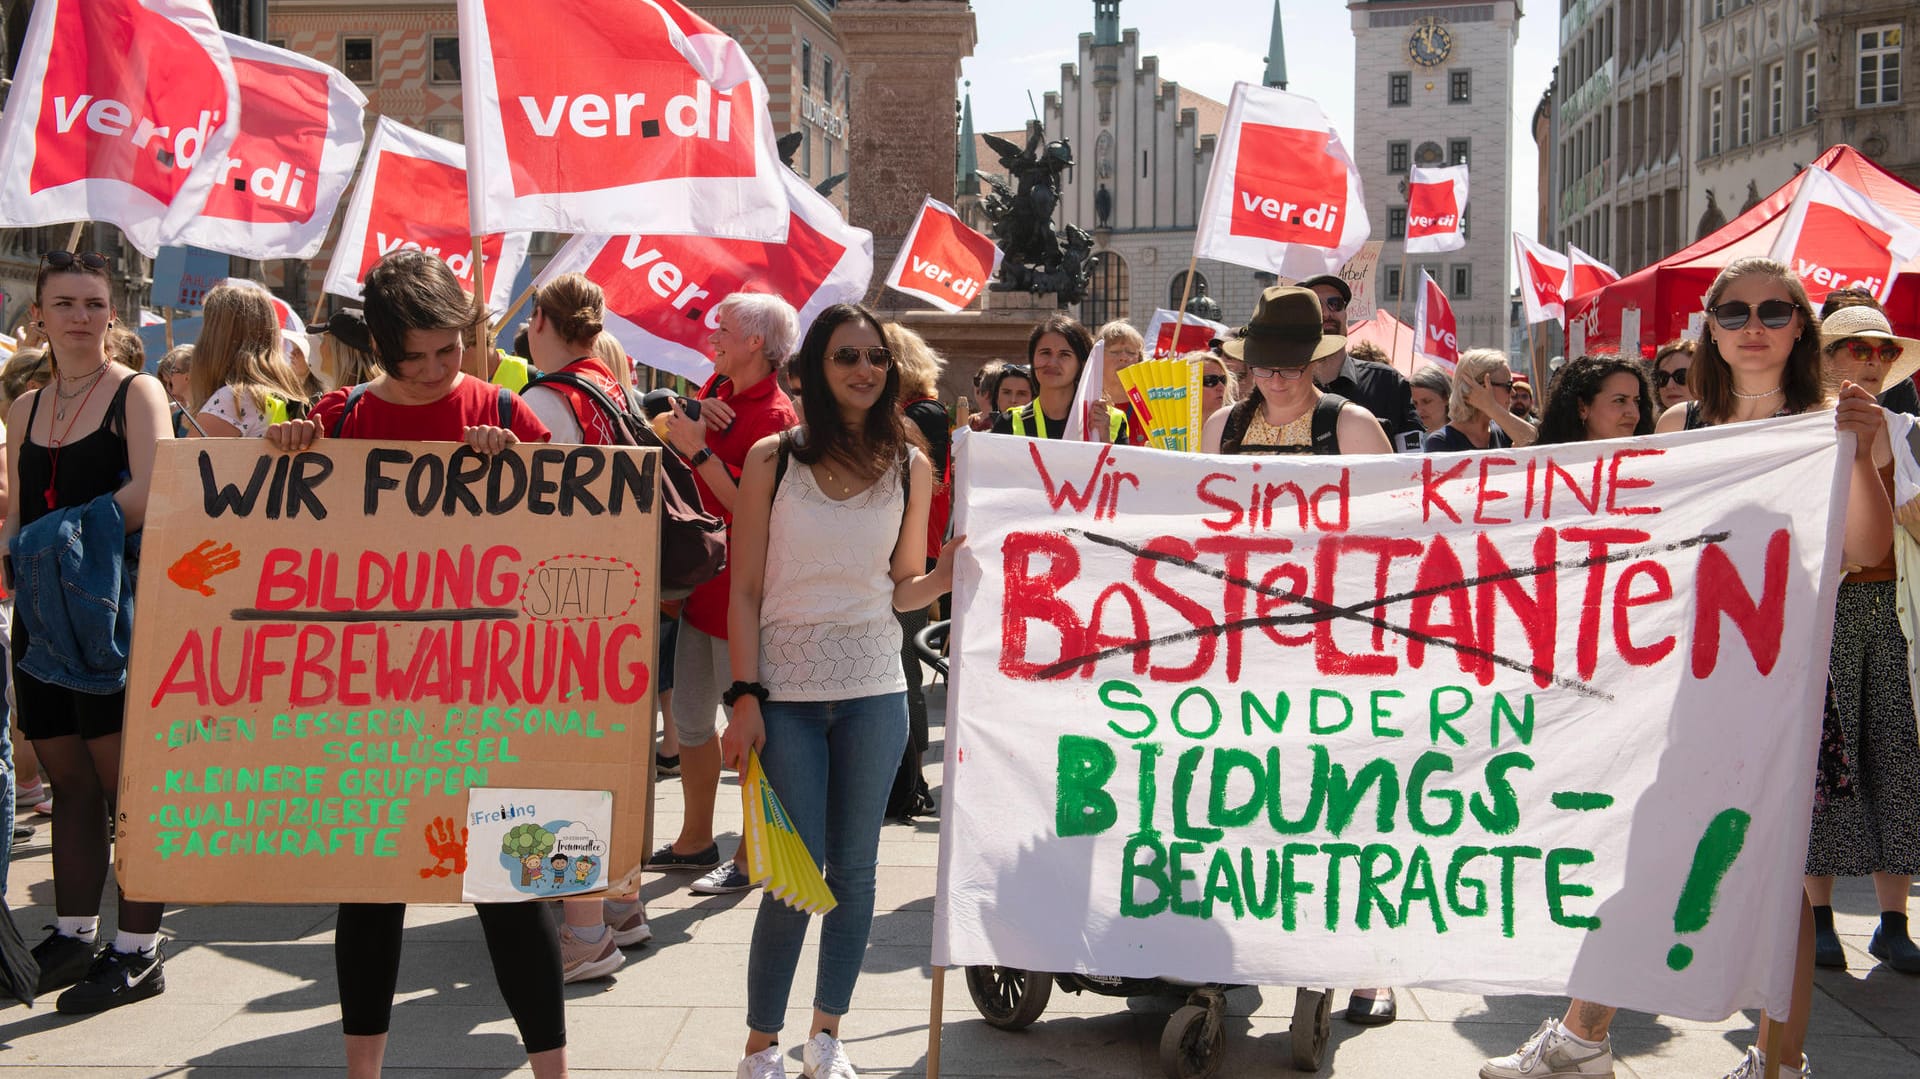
{"points": [[1033, 595], [1287, 188], [408, 189], [273, 168], [1838, 250], [1719, 590], [632, 105], [88, 126]]}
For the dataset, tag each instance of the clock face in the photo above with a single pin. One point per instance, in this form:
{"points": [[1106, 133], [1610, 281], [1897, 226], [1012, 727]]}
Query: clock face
{"points": [[1430, 44]]}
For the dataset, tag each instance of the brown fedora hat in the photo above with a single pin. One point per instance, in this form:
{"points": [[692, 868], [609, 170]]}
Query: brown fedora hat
{"points": [[1284, 331]]}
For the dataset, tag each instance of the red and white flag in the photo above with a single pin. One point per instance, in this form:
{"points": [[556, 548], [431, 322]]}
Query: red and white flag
{"points": [[1194, 334], [413, 193], [1834, 237], [121, 111], [1542, 279], [661, 289], [1436, 210], [1284, 196], [1437, 334], [1585, 274], [289, 319], [943, 261], [615, 116], [301, 132]]}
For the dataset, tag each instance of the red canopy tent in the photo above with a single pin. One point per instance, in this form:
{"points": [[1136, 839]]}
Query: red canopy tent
{"points": [[1394, 337], [1669, 291]]}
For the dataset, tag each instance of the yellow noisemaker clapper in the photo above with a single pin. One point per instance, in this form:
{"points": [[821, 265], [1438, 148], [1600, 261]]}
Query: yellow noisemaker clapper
{"points": [[1166, 395], [776, 857]]}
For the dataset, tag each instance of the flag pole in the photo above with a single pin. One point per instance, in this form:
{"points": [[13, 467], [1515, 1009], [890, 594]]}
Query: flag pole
{"points": [[1400, 307], [1186, 290], [1536, 364], [481, 324], [514, 309], [73, 237], [933, 1022]]}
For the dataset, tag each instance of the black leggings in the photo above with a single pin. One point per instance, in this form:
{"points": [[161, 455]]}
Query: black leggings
{"points": [[526, 963]]}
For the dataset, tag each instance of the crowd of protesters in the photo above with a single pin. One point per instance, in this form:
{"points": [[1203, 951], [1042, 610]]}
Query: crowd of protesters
{"points": [[838, 507]]}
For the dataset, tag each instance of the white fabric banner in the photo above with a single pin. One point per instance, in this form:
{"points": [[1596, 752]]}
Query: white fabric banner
{"points": [[1284, 195], [301, 131], [1436, 210], [120, 111], [1533, 721], [1834, 236]]}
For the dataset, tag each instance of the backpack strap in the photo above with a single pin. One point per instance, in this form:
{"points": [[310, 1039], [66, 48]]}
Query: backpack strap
{"points": [[781, 456], [1326, 424], [353, 401], [621, 414], [506, 408], [1238, 419]]}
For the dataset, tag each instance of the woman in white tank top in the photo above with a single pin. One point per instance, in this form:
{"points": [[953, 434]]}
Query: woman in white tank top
{"points": [[829, 539]]}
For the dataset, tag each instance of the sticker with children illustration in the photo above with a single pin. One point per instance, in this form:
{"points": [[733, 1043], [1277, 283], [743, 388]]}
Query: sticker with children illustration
{"points": [[535, 844]]}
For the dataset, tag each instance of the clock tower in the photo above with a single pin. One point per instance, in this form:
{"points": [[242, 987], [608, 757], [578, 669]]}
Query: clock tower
{"points": [[1433, 85]]}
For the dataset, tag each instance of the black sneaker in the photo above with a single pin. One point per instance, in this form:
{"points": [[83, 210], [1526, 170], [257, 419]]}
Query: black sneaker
{"points": [[63, 960], [115, 978], [666, 858], [665, 766], [724, 880]]}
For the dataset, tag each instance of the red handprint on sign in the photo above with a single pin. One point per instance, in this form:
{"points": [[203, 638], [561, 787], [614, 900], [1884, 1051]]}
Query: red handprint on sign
{"points": [[204, 561], [445, 847]]}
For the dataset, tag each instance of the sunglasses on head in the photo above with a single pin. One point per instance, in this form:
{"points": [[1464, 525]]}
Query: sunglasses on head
{"points": [[1678, 377], [1733, 315], [1213, 382], [64, 260], [1862, 349], [879, 357]]}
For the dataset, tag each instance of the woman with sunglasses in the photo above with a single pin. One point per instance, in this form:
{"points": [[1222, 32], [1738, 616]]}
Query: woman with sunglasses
{"points": [[1866, 810], [1479, 412], [1217, 390], [103, 423], [1670, 367], [1759, 357], [829, 540]]}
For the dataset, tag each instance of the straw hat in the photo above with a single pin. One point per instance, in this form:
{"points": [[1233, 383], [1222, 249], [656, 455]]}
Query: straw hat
{"points": [[1284, 331], [1868, 324]]}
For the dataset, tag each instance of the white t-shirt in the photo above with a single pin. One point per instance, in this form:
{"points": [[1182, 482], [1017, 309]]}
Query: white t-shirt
{"points": [[553, 410], [237, 409]]}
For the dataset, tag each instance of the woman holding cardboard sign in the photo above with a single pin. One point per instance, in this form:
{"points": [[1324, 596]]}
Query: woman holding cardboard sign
{"points": [[829, 540], [418, 319]]}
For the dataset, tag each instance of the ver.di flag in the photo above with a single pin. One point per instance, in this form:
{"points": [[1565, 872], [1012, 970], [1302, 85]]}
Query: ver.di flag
{"points": [[413, 193], [661, 289], [1543, 279], [1834, 237], [301, 132], [121, 110], [615, 116], [1283, 196], [1585, 274], [1436, 210], [1437, 335], [943, 261], [1194, 334]]}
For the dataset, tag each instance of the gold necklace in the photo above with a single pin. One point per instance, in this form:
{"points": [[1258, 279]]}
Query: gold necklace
{"points": [[835, 480]]}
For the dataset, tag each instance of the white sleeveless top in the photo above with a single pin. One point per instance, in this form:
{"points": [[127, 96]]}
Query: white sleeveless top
{"points": [[827, 630]]}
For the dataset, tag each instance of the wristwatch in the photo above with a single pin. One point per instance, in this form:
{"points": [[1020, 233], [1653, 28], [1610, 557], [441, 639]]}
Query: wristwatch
{"points": [[700, 458]]}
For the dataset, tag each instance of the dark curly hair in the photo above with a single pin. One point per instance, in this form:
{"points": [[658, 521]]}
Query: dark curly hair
{"points": [[1577, 384]]}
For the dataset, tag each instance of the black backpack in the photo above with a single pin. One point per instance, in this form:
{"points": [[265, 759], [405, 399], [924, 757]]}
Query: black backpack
{"points": [[1326, 424], [693, 542]]}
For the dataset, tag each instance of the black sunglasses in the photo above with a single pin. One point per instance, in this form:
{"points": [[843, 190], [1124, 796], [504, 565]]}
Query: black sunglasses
{"points": [[1213, 381], [1661, 378], [64, 260], [879, 356], [1334, 303], [1733, 315]]}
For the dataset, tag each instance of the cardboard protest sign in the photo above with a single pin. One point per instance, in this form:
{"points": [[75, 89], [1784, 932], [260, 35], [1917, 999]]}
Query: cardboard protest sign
{"points": [[1194, 333], [655, 121], [413, 193], [121, 110], [182, 276], [300, 136], [1283, 196], [1493, 723], [1358, 274], [661, 289], [1436, 334], [1543, 280], [1834, 237], [943, 261], [350, 662], [1436, 210]]}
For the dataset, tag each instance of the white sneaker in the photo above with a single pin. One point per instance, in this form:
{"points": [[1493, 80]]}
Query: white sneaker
{"points": [[1552, 1054], [766, 1064], [1754, 1066], [825, 1058]]}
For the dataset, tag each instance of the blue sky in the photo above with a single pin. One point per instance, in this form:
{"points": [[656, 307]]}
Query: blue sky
{"points": [[1022, 44]]}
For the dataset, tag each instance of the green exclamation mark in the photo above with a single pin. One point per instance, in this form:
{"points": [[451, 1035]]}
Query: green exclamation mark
{"points": [[1719, 845]]}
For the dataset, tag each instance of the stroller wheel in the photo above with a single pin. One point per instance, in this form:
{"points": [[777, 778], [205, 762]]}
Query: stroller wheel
{"points": [[1192, 1044], [1311, 1028], [1007, 998]]}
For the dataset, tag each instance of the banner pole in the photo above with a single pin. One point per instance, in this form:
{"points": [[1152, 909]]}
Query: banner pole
{"points": [[73, 236], [169, 317], [1400, 306], [933, 1022], [1775, 1045], [1536, 364], [514, 308], [481, 324], [1186, 290]]}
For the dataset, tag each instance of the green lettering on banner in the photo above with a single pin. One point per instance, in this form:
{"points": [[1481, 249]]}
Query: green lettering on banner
{"points": [[1419, 885], [1508, 856], [1378, 714], [1344, 799], [1456, 878], [1261, 904], [1291, 886], [1368, 894], [1521, 725], [1221, 885], [1503, 815], [1335, 852], [1309, 817], [1313, 711], [1430, 762], [1560, 858], [1213, 712], [1440, 718], [1183, 798], [1108, 691], [1274, 721], [1149, 789], [1082, 805], [1153, 873], [1225, 762], [1178, 875]]}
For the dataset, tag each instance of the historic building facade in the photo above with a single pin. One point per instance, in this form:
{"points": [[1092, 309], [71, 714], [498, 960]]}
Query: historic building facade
{"points": [[1433, 85], [1757, 91], [1867, 81]]}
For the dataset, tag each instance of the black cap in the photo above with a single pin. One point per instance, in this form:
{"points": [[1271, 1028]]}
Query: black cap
{"points": [[1332, 280], [349, 324]]}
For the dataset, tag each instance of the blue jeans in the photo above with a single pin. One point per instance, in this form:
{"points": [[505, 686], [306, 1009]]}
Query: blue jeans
{"points": [[831, 764]]}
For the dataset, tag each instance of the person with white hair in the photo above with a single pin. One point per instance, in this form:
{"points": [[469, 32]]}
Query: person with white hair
{"points": [[743, 403], [1480, 410]]}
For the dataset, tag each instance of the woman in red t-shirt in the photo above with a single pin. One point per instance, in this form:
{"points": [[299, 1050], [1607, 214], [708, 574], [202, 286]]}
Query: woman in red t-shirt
{"points": [[418, 319]]}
